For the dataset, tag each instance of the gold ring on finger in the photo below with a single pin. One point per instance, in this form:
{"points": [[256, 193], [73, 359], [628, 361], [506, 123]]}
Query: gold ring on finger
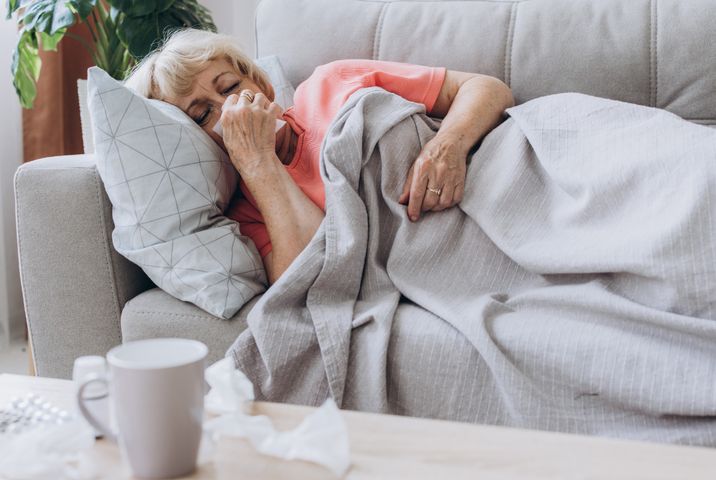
{"points": [[249, 96], [436, 191]]}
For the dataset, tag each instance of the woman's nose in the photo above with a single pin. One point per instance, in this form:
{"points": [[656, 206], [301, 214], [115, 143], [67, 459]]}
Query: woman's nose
{"points": [[216, 105], [217, 102]]}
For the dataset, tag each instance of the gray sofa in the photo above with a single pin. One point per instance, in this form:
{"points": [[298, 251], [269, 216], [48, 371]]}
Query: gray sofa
{"points": [[81, 297]]}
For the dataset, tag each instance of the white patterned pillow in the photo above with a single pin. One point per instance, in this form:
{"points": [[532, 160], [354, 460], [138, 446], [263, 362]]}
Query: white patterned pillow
{"points": [[281, 85], [169, 184]]}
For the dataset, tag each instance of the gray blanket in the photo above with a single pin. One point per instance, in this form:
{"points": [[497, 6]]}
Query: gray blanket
{"points": [[573, 289]]}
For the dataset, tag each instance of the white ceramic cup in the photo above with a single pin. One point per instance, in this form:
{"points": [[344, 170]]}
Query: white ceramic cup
{"points": [[156, 390]]}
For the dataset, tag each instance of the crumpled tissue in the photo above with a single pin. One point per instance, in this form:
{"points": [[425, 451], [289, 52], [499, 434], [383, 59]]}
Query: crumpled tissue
{"points": [[322, 437], [49, 451]]}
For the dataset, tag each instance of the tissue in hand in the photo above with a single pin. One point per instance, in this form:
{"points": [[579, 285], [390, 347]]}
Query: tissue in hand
{"points": [[321, 438]]}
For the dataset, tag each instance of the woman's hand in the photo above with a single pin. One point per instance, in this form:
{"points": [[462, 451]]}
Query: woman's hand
{"points": [[249, 129], [471, 105], [436, 180]]}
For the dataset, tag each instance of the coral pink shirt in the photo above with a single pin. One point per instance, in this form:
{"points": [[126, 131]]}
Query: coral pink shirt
{"points": [[316, 102]]}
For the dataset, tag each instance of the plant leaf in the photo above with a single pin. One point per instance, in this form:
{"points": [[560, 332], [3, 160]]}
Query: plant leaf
{"points": [[83, 8], [12, 5], [49, 41], [134, 8], [25, 68], [38, 15], [48, 16], [102, 44], [142, 34], [194, 15], [114, 14], [62, 17], [163, 5]]}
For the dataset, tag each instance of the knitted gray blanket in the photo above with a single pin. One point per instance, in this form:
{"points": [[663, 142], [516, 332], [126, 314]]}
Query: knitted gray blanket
{"points": [[573, 289]]}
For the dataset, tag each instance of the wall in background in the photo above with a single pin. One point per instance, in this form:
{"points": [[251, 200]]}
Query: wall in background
{"points": [[235, 18], [232, 17], [12, 317]]}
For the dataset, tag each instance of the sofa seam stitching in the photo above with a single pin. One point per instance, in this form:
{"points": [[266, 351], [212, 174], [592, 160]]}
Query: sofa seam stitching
{"points": [[59, 169], [20, 172], [378, 32], [651, 53], [189, 315], [656, 52], [440, 1], [509, 42], [107, 254], [256, 31]]}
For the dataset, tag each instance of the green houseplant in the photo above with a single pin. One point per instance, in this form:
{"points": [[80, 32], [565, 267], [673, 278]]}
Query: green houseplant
{"points": [[122, 31]]}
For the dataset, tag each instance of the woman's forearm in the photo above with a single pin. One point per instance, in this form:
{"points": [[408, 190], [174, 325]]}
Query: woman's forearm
{"points": [[476, 109], [291, 218]]}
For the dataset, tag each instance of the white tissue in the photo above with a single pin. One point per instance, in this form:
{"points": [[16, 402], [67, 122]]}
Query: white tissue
{"points": [[322, 437], [49, 451], [230, 388]]}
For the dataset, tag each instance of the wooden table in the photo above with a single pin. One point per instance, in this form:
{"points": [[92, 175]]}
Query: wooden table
{"points": [[392, 447]]}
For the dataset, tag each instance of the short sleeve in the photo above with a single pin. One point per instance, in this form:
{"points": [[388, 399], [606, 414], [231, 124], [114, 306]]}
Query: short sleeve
{"points": [[417, 83]]}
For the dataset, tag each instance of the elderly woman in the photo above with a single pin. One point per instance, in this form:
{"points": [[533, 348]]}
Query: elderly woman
{"points": [[282, 198]]}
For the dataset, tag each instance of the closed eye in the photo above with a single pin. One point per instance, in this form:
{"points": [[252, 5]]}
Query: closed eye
{"points": [[202, 119], [231, 88]]}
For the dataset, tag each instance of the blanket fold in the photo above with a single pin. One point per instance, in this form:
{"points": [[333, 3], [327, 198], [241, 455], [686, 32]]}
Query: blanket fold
{"points": [[573, 289]]}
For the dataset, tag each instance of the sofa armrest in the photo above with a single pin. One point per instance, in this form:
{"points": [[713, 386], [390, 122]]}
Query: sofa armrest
{"points": [[74, 283]]}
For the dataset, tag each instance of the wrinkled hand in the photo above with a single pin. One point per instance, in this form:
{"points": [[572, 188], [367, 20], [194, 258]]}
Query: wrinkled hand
{"points": [[441, 166], [249, 129]]}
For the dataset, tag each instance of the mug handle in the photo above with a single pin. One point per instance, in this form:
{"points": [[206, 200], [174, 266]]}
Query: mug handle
{"points": [[91, 419]]}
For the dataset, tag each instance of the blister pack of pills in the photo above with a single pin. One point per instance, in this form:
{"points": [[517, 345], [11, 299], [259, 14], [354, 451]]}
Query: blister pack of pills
{"points": [[29, 411]]}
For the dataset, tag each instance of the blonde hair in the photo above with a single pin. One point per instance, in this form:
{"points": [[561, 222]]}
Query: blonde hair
{"points": [[170, 70]]}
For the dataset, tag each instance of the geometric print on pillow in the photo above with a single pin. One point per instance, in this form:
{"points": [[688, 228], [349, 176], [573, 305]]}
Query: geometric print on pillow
{"points": [[169, 184]]}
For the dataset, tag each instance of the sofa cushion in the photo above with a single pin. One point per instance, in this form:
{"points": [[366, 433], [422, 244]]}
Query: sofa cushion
{"points": [[653, 52], [155, 313]]}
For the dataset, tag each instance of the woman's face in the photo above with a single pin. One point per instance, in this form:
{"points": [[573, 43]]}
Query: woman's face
{"points": [[211, 87]]}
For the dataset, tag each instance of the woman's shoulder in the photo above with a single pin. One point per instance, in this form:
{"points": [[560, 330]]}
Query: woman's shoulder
{"points": [[352, 70], [336, 73], [344, 72], [331, 69], [351, 65]]}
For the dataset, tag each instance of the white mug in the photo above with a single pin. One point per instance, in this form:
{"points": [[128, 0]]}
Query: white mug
{"points": [[156, 390]]}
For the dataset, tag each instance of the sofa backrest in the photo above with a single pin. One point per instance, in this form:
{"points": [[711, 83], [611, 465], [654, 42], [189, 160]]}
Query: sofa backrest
{"points": [[652, 52]]}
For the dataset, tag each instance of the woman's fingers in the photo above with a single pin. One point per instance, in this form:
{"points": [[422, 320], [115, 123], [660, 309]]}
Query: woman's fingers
{"points": [[245, 99], [232, 99], [405, 195], [458, 193], [452, 189], [261, 100], [417, 192], [445, 200], [431, 198], [435, 188], [276, 109]]}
